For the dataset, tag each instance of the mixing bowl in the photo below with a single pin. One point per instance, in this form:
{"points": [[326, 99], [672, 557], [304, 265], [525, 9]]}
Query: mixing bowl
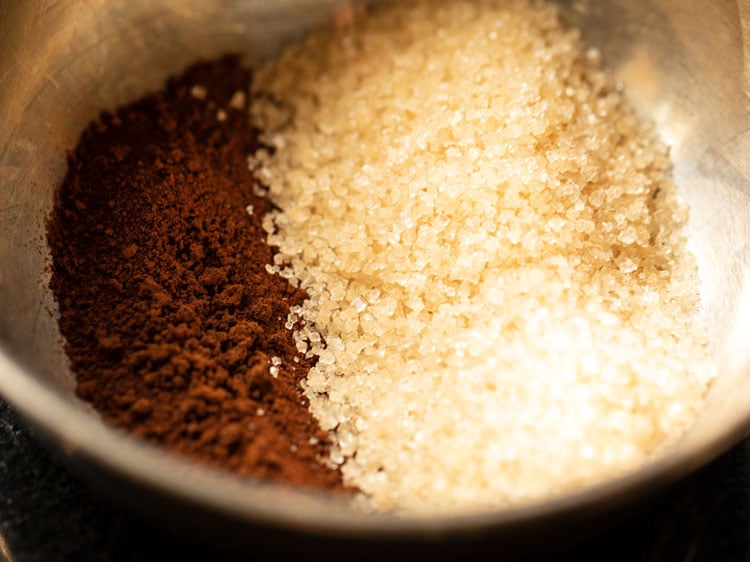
{"points": [[683, 65]]}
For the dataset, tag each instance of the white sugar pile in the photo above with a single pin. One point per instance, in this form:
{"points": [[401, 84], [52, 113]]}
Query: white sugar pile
{"points": [[501, 302]]}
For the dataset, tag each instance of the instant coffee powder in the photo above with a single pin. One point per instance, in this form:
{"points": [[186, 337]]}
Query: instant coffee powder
{"points": [[173, 326]]}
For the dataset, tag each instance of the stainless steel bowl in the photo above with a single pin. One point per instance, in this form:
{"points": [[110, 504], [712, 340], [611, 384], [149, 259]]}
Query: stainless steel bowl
{"points": [[683, 64]]}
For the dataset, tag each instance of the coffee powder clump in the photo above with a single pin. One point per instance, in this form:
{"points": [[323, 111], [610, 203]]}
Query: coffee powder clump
{"points": [[172, 324]]}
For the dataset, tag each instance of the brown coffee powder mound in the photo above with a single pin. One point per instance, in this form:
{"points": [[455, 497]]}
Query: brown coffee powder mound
{"points": [[170, 318]]}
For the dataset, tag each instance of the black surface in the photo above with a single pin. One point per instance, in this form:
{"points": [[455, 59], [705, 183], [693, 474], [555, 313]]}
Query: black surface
{"points": [[48, 515]]}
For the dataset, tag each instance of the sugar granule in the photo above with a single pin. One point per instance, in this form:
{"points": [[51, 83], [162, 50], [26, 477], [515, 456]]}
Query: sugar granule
{"points": [[501, 304]]}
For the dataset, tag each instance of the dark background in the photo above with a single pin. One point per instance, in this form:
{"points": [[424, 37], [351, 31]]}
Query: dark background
{"points": [[49, 515]]}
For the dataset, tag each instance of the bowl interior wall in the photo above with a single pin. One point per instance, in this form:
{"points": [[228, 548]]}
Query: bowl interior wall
{"points": [[682, 64]]}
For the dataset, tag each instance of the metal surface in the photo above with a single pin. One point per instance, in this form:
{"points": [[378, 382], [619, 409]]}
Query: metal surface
{"points": [[683, 65]]}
